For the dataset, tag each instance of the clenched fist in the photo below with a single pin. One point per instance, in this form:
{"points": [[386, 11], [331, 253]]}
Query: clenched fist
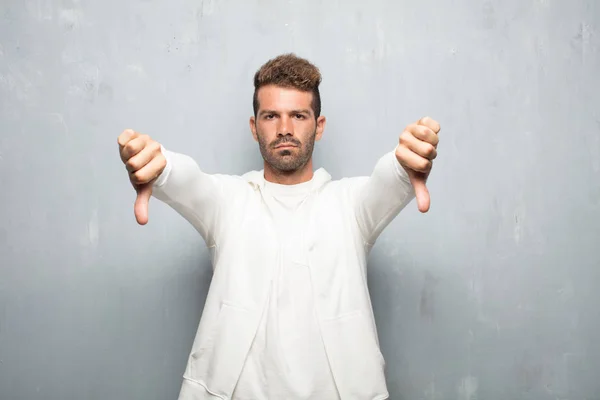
{"points": [[144, 161], [415, 152]]}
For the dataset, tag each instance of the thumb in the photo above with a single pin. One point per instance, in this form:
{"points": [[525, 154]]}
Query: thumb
{"points": [[140, 208], [417, 179]]}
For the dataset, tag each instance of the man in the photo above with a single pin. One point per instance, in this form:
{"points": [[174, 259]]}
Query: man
{"points": [[288, 313]]}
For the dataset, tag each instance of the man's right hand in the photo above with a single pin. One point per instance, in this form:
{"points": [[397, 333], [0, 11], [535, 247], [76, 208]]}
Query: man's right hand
{"points": [[145, 162]]}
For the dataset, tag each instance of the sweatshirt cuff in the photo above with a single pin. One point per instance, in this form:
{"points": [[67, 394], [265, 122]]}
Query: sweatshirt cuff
{"points": [[400, 171], [162, 178]]}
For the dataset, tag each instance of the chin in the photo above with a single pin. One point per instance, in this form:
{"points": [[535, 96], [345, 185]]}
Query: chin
{"points": [[285, 164]]}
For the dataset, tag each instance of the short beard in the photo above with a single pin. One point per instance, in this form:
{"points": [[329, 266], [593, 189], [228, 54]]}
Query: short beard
{"points": [[284, 161]]}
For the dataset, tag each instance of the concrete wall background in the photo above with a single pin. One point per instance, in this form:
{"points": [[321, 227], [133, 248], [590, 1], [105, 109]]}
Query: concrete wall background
{"points": [[492, 295]]}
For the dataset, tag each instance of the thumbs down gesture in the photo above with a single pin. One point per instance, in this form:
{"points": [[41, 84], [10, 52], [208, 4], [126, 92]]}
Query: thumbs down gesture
{"points": [[145, 162], [416, 151]]}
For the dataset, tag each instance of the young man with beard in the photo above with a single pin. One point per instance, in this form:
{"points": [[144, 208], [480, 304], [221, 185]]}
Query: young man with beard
{"points": [[288, 313]]}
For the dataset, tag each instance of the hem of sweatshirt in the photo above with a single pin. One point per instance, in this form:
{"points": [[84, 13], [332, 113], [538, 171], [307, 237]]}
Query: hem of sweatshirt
{"points": [[192, 389], [382, 397]]}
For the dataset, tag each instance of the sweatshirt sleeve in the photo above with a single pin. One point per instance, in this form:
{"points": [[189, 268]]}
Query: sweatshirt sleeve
{"points": [[379, 198], [197, 196]]}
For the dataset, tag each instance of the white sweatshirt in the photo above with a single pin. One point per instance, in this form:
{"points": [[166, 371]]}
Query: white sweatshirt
{"points": [[246, 342], [287, 359]]}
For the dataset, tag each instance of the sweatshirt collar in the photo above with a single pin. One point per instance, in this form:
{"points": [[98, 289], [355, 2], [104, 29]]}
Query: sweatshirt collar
{"points": [[257, 179]]}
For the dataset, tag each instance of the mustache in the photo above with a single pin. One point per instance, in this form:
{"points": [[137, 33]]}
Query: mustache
{"points": [[285, 140]]}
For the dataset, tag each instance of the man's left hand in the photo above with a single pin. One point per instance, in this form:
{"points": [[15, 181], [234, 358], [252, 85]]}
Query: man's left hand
{"points": [[416, 151]]}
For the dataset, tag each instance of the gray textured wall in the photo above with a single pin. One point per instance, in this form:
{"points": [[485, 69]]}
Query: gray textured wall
{"points": [[492, 295]]}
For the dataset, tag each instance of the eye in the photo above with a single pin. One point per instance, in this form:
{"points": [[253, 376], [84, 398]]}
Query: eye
{"points": [[269, 116], [300, 116]]}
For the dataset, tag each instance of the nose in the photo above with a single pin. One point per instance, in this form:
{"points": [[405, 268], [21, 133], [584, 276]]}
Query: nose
{"points": [[285, 126]]}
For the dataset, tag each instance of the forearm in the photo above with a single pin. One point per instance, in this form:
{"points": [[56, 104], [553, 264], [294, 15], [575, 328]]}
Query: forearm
{"points": [[382, 196], [194, 194]]}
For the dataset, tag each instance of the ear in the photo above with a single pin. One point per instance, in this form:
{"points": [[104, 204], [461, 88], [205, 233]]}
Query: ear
{"points": [[253, 128], [320, 127]]}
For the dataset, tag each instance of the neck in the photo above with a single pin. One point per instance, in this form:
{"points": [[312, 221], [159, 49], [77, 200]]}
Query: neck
{"points": [[301, 175]]}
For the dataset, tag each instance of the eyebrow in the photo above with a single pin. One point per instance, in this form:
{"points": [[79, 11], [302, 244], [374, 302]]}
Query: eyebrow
{"points": [[303, 111]]}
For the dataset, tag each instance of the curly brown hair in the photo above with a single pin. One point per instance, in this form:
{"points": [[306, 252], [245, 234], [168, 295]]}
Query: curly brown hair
{"points": [[289, 71]]}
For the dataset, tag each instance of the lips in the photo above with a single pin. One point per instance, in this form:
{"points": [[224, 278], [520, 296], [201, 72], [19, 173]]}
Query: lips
{"points": [[282, 144]]}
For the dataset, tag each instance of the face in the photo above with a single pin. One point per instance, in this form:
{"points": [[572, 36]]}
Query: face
{"points": [[285, 127]]}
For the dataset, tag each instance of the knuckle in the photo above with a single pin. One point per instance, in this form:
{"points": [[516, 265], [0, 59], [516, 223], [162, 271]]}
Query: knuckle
{"points": [[430, 123], [137, 177], [125, 136], [405, 137], [428, 132], [429, 151], [129, 148], [412, 128], [131, 165], [425, 165]]}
